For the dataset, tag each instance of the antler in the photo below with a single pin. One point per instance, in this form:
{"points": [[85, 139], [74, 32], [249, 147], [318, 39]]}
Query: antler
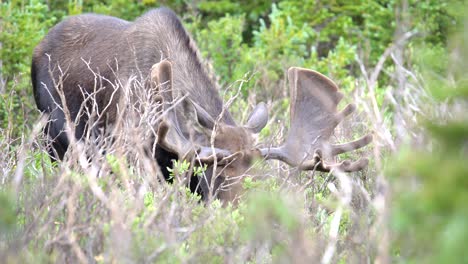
{"points": [[314, 116], [170, 136]]}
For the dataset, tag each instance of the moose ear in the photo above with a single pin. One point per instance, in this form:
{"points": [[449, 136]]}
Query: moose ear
{"points": [[161, 76], [258, 118]]}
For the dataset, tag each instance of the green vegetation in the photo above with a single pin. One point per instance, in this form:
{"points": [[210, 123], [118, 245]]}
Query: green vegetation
{"points": [[402, 62], [433, 191]]}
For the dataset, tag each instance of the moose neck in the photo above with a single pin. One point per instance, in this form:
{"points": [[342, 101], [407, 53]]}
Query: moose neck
{"points": [[169, 40]]}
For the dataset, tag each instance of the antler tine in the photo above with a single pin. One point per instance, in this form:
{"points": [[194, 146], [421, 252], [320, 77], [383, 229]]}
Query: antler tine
{"points": [[314, 116], [349, 146], [348, 110]]}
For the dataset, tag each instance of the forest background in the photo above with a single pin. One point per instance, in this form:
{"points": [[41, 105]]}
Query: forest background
{"points": [[402, 62]]}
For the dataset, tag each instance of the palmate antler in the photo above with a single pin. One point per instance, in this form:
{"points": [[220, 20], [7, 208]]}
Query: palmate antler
{"points": [[170, 136], [314, 116]]}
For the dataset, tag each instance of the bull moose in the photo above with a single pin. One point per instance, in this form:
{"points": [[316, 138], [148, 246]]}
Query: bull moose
{"points": [[157, 47]]}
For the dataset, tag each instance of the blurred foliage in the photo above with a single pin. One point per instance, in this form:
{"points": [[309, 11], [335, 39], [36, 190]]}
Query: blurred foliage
{"points": [[7, 212], [430, 213]]}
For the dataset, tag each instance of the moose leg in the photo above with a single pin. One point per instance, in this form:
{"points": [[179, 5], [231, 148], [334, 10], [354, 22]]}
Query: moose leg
{"points": [[57, 139], [164, 159]]}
